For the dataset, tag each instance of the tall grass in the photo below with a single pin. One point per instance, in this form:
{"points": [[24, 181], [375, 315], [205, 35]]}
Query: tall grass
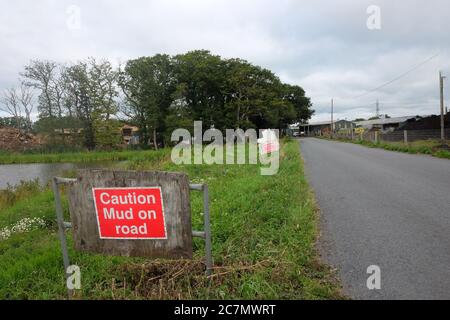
{"points": [[84, 156], [13, 194]]}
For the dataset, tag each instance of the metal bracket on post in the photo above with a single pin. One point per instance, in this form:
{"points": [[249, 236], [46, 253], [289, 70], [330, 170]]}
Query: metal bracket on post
{"points": [[62, 225], [206, 234]]}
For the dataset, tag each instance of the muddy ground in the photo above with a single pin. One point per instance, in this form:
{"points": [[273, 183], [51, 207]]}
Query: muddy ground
{"points": [[13, 140]]}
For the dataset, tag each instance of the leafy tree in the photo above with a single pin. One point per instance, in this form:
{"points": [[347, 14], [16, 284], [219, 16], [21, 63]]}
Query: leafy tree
{"points": [[92, 95], [148, 84], [203, 77], [179, 115], [302, 104], [248, 92], [107, 133]]}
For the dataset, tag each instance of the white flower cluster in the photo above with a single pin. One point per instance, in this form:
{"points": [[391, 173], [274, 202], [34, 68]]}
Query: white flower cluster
{"points": [[24, 225]]}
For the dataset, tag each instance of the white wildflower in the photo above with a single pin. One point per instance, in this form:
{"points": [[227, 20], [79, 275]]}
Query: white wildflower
{"points": [[24, 225]]}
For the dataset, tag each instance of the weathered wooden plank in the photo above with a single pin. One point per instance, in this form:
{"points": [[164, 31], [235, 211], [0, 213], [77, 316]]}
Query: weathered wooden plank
{"points": [[175, 193]]}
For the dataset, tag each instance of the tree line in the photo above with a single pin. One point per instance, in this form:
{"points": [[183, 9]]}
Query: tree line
{"points": [[91, 99]]}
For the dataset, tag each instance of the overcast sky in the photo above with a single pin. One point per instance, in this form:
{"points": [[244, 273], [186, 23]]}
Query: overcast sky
{"points": [[322, 45]]}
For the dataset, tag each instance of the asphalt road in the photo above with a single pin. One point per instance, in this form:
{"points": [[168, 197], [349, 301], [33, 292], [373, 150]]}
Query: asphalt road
{"points": [[382, 208]]}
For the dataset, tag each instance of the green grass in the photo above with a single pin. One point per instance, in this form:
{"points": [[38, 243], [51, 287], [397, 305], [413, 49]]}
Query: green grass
{"points": [[139, 155], [430, 147], [13, 194], [264, 232]]}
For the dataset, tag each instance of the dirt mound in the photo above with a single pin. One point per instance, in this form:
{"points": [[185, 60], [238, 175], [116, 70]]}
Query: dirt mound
{"points": [[12, 139]]}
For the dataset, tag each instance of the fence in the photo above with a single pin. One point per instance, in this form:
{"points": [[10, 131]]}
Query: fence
{"points": [[405, 136]]}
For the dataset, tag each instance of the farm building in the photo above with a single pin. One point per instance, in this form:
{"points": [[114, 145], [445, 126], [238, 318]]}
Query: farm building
{"points": [[385, 124], [130, 134], [321, 128]]}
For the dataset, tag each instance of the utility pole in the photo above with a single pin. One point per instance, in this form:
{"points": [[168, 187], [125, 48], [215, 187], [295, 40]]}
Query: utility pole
{"points": [[441, 85], [332, 122], [377, 112]]}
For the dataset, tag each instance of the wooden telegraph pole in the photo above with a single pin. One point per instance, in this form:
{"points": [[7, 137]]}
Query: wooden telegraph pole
{"points": [[332, 122], [377, 112], [441, 85]]}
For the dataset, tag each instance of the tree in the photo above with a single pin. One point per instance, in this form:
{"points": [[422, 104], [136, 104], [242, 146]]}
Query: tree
{"points": [[203, 77], [256, 98], [26, 101], [91, 94], [18, 104], [179, 114], [148, 84], [302, 104], [12, 122], [11, 105], [43, 75], [245, 86], [266, 106], [107, 133], [47, 77]]}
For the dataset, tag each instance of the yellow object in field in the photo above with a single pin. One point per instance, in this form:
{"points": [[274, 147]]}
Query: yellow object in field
{"points": [[359, 130]]}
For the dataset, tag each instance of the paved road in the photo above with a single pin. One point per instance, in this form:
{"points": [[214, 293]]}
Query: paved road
{"points": [[383, 208]]}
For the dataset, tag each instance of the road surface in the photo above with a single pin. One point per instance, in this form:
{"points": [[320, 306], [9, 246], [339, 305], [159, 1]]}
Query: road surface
{"points": [[382, 208]]}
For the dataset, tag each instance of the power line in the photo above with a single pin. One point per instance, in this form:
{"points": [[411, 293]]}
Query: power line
{"points": [[397, 104], [399, 77], [390, 104], [400, 103]]}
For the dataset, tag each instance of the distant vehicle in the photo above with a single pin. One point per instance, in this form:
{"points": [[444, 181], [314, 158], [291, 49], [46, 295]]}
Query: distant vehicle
{"points": [[296, 134]]}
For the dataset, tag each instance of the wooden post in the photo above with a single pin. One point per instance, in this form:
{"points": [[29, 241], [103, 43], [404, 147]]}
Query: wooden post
{"points": [[405, 136], [332, 120], [441, 87]]}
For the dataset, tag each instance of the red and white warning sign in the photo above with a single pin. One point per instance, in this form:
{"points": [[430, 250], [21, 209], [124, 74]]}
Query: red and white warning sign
{"points": [[130, 213]]}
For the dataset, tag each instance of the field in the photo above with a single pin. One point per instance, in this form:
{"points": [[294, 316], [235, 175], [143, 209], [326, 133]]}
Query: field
{"points": [[264, 232]]}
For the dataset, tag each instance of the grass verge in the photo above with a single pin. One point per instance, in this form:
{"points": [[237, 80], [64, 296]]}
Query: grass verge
{"points": [[264, 232], [430, 147]]}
